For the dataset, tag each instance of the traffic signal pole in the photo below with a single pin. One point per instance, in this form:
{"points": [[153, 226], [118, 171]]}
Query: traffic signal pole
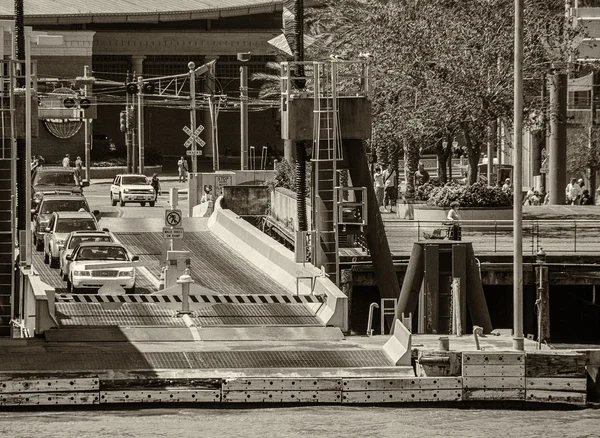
{"points": [[140, 122], [87, 125]]}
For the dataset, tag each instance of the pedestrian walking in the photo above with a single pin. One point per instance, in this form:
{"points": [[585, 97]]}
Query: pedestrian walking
{"points": [[182, 168], [66, 162], [79, 169], [378, 185], [389, 185], [155, 183]]}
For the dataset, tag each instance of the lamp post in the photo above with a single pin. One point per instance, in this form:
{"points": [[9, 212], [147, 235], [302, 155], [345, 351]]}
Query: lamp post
{"points": [[518, 341]]}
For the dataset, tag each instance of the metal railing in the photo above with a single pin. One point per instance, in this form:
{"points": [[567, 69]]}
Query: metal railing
{"points": [[496, 236]]}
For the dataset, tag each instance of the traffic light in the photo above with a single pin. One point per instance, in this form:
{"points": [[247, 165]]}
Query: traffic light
{"points": [[85, 103], [69, 103], [123, 121], [130, 119], [131, 88], [148, 88]]}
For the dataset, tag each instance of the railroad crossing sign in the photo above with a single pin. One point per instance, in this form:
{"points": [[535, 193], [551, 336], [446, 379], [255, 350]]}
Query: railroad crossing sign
{"points": [[194, 137], [173, 218], [191, 152]]}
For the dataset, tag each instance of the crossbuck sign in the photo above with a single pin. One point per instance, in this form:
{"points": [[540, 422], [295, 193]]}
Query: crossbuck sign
{"points": [[194, 136]]}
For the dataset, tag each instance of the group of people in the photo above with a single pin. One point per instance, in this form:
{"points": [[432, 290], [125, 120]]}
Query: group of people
{"points": [[577, 194], [386, 187]]}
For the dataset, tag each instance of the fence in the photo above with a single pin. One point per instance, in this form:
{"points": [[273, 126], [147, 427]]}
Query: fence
{"points": [[554, 236]]}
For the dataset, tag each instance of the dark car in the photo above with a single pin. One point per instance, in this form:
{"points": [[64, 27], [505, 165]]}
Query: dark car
{"points": [[55, 180], [50, 204]]}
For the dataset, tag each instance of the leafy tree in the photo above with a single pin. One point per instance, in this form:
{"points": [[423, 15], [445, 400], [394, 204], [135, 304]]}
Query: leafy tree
{"points": [[444, 67]]}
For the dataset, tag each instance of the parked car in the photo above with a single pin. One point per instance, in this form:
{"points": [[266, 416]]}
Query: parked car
{"points": [[50, 204], [131, 188], [80, 277], [74, 238], [60, 225], [55, 180]]}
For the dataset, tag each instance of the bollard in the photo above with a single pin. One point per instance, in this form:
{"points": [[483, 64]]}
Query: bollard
{"points": [[444, 343], [477, 331], [372, 307], [185, 280]]}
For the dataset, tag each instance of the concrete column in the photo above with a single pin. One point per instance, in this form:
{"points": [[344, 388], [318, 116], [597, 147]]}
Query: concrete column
{"points": [[557, 144], [137, 64]]}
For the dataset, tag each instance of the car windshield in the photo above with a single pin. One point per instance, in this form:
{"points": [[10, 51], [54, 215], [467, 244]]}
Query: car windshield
{"points": [[132, 180], [55, 179], [102, 253], [68, 225], [49, 207], [76, 240]]}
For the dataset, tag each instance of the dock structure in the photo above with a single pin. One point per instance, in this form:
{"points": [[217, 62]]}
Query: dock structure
{"points": [[254, 333]]}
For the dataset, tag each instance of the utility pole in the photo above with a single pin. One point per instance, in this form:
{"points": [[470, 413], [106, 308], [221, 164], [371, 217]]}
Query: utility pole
{"points": [[140, 122], [214, 114], [87, 90], [244, 57], [518, 341], [192, 68]]}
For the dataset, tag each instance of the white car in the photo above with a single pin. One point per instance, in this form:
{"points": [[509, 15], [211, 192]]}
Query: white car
{"points": [[132, 188], [60, 225], [73, 240], [81, 277]]}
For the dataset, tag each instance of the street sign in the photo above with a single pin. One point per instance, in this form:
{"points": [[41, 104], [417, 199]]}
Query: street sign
{"points": [[172, 233], [194, 137], [173, 218], [196, 152]]}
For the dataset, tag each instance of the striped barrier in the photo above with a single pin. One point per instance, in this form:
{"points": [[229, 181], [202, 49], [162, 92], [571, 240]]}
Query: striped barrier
{"points": [[202, 299]]}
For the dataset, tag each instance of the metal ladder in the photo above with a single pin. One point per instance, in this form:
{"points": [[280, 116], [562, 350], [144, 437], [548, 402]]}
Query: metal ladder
{"points": [[326, 152]]}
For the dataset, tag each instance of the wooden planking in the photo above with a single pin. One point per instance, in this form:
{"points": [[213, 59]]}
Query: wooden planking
{"points": [[439, 363], [49, 385], [407, 396], [543, 364], [495, 358], [161, 396], [494, 394], [416, 383], [537, 395], [50, 398], [156, 383], [556, 384], [301, 384], [282, 396], [493, 370], [494, 382]]}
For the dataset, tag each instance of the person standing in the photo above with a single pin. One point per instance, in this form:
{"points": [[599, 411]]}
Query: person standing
{"points": [[421, 176], [507, 187], [154, 182], [454, 218], [379, 187], [79, 168], [182, 168], [66, 162], [389, 185], [572, 192]]}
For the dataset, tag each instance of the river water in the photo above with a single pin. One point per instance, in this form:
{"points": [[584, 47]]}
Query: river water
{"points": [[303, 421]]}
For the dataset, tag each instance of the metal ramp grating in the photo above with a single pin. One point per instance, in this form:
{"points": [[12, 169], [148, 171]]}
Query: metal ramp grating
{"points": [[253, 310], [289, 359], [206, 321], [126, 321], [122, 309]]}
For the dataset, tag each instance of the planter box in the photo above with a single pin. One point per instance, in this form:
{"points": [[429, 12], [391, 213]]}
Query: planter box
{"points": [[111, 172], [483, 214]]}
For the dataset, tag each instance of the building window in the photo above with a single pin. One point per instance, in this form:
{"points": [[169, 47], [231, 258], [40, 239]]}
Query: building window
{"points": [[580, 99], [112, 67]]}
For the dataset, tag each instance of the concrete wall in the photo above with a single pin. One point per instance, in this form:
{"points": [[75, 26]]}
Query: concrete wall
{"points": [[278, 262], [285, 209], [111, 172]]}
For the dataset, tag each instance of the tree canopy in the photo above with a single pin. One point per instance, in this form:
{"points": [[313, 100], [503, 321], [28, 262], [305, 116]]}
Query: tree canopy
{"points": [[444, 68]]}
